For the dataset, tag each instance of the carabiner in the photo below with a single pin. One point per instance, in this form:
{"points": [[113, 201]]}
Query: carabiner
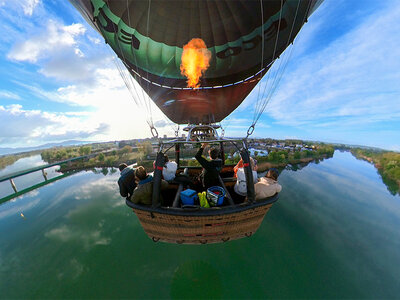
{"points": [[250, 132], [154, 131]]}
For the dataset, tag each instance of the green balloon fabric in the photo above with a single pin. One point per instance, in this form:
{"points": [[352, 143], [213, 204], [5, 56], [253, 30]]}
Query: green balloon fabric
{"points": [[243, 36]]}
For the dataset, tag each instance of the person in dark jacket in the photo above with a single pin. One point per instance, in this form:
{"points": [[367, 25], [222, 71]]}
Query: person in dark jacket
{"points": [[126, 181], [211, 169], [144, 191]]}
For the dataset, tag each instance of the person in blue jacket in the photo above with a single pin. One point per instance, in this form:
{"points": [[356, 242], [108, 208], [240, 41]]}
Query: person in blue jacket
{"points": [[126, 181]]}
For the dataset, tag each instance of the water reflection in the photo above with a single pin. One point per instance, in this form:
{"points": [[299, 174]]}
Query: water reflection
{"points": [[333, 234], [26, 181], [196, 279]]}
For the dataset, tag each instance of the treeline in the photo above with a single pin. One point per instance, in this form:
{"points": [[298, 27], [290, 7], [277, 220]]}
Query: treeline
{"points": [[64, 153], [287, 156], [107, 158], [12, 158], [8, 160], [387, 163]]}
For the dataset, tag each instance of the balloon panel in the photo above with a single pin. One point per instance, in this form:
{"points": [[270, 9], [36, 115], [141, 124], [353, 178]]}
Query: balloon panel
{"points": [[148, 36]]}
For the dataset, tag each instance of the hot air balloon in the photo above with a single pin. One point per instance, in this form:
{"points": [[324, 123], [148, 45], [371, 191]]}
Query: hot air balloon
{"points": [[197, 61]]}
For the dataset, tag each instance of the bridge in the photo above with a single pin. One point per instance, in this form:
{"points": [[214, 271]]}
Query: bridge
{"points": [[12, 176]]}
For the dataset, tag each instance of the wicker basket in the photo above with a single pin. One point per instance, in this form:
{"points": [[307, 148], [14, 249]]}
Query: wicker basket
{"points": [[201, 227]]}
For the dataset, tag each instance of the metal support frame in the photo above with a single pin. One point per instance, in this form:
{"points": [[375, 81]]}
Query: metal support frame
{"points": [[13, 185], [180, 189], [202, 132], [189, 140], [177, 154], [249, 175], [157, 175], [44, 174], [228, 195], [222, 153]]}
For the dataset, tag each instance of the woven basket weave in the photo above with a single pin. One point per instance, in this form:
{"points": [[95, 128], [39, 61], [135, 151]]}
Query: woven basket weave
{"points": [[186, 229]]}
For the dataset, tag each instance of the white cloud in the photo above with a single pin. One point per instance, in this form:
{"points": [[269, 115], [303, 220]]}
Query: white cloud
{"points": [[88, 237], [86, 77], [43, 125], [9, 95], [94, 40], [55, 38], [29, 6], [354, 81]]}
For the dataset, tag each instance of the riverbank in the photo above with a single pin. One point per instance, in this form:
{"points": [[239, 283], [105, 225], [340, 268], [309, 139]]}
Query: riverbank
{"points": [[264, 166], [148, 164], [386, 162]]}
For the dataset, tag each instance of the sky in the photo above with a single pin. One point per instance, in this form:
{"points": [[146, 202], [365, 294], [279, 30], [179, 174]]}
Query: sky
{"points": [[338, 83]]}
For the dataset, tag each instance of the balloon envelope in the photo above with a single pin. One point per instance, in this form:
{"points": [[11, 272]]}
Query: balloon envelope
{"points": [[244, 38]]}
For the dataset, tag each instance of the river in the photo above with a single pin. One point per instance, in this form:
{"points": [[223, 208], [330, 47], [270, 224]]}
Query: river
{"points": [[27, 180], [334, 233]]}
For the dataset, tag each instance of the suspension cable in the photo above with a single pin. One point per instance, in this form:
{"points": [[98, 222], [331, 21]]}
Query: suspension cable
{"points": [[279, 73], [127, 77], [147, 60], [262, 52], [280, 70], [134, 55], [143, 101], [259, 100]]}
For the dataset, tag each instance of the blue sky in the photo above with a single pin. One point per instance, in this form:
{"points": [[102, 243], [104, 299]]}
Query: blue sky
{"points": [[340, 84]]}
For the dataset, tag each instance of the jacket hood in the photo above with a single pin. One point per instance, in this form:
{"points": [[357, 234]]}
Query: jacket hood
{"points": [[149, 178]]}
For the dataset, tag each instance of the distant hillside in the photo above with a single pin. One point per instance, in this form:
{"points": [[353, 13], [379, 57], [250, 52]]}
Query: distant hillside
{"points": [[4, 151]]}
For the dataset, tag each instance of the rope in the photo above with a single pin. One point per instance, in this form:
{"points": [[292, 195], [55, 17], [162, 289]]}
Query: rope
{"points": [[141, 101], [278, 74], [147, 61], [259, 102], [262, 52], [280, 70], [134, 55]]}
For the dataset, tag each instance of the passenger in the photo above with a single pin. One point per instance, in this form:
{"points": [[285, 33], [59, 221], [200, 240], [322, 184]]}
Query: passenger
{"points": [[126, 181], [144, 191], [268, 185], [211, 169], [241, 187], [169, 170], [237, 167]]}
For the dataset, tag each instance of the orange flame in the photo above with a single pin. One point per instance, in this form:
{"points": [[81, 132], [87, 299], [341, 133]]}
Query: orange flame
{"points": [[195, 61]]}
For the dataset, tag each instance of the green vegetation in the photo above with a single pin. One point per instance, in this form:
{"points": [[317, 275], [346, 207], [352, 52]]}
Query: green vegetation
{"points": [[63, 153], [280, 158], [8, 160], [12, 158], [387, 163], [145, 148], [108, 158]]}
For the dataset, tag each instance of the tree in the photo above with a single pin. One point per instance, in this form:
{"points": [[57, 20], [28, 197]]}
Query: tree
{"points": [[145, 147], [273, 156], [101, 157], [85, 150], [125, 150]]}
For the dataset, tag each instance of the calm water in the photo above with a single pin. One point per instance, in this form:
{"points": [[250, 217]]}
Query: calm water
{"points": [[27, 180], [334, 233]]}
